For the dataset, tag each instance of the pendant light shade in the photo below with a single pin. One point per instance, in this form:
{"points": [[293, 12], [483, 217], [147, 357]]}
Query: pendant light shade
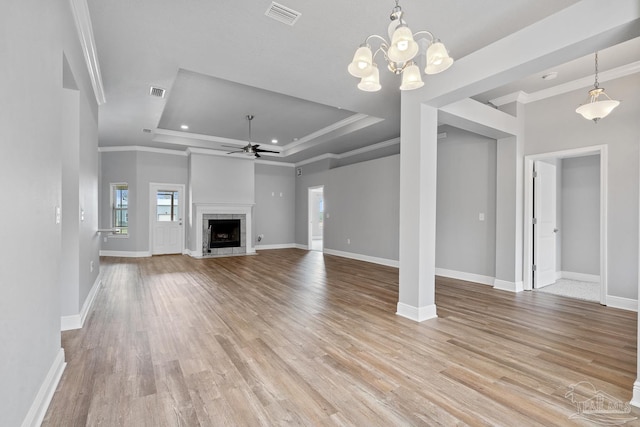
{"points": [[411, 78], [595, 108], [371, 83], [403, 47], [361, 64], [438, 58]]}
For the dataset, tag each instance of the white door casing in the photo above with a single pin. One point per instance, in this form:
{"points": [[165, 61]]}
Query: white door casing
{"points": [[166, 236], [544, 252]]}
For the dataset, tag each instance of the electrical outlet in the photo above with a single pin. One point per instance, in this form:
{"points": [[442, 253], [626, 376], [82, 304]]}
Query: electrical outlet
{"points": [[58, 215], [348, 241], [91, 265], [105, 239], [481, 216], [82, 215]]}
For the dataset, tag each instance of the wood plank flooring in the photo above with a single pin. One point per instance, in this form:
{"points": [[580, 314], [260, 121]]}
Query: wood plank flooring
{"points": [[290, 337]]}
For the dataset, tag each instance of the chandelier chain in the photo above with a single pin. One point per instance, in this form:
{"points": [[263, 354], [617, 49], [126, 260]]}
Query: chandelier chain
{"points": [[597, 85]]}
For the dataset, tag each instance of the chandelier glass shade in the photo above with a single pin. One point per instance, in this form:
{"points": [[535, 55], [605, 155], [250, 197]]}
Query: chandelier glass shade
{"points": [[399, 55], [596, 108]]}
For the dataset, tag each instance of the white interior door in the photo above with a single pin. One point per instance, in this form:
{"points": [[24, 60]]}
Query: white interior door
{"points": [[167, 212], [316, 219], [544, 229]]}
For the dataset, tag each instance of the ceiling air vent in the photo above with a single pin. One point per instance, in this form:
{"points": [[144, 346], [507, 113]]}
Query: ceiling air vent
{"points": [[282, 13], [157, 91]]}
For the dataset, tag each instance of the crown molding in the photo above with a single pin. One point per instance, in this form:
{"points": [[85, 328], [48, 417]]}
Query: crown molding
{"points": [[332, 127], [192, 139], [351, 153], [141, 148], [272, 163], [603, 76], [80, 11]]}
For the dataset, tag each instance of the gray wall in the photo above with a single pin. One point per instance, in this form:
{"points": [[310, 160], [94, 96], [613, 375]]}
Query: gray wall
{"points": [[552, 125], [466, 187], [580, 225], [275, 204], [362, 203], [31, 131], [138, 169]]}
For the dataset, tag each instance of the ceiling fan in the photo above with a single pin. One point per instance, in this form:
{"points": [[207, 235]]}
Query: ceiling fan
{"points": [[250, 149]]}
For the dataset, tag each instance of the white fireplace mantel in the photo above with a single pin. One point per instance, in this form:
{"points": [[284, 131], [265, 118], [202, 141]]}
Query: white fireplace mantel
{"points": [[222, 208]]}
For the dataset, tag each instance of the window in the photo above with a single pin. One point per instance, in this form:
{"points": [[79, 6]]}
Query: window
{"points": [[167, 206], [120, 206]]}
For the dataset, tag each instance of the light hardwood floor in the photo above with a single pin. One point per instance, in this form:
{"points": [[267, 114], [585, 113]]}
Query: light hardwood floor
{"points": [[296, 337]]}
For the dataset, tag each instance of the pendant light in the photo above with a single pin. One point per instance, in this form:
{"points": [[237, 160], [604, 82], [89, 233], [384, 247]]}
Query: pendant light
{"points": [[596, 108]]}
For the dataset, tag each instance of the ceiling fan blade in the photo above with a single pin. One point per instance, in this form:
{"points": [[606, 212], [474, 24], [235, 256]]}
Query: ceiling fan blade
{"points": [[257, 155], [232, 152], [260, 150]]}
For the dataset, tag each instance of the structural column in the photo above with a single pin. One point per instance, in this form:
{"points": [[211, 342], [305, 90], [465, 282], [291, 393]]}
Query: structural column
{"points": [[509, 208], [418, 162]]}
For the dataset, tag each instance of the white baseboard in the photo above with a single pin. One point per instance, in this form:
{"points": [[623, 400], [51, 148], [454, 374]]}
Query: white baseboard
{"points": [[504, 285], [76, 321], [367, 258], [126, 254], [418, 314], [578, 276], [277, 246], [299, 246], [635, 400], [38, 408], [622, 303], [469, 277]]}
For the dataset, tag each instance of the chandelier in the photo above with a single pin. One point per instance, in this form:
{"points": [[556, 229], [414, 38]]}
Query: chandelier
{"points": [[595, 108], [399, 55]]}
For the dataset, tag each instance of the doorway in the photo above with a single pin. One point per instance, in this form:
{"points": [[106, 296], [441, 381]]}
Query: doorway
{"points": [[543, 226], [166, 229], [316, 218]]}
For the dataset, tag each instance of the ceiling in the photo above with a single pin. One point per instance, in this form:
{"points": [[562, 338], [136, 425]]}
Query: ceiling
{"points": [[222, 60]]}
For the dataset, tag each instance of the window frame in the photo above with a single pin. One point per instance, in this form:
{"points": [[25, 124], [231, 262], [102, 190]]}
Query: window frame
{"points": [[113, 187]]}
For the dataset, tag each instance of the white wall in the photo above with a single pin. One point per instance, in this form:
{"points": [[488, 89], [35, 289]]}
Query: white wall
{"points": [[35, 35], [218, 179], [552, 125]]}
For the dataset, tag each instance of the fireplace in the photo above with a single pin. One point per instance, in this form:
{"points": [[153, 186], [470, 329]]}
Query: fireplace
{"points": [[225, 214], [224, 233]]}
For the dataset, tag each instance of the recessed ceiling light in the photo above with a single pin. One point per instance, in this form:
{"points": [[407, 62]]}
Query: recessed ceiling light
{"points": [[184, 127], [274, 141], [295, 139], [145, 130], [550, 76]]}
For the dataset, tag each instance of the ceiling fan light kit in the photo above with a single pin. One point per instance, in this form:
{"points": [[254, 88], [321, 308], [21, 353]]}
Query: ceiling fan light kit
{"points": [[595, 108], [399, 55], [251, 150]]}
